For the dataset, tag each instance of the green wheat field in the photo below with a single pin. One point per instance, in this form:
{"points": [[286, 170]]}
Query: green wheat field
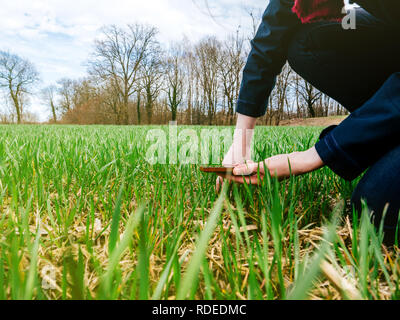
{"points": [[84, 216]]}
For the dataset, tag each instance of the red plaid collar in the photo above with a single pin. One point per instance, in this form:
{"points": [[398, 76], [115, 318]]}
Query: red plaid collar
{"points": [[318, 10]]}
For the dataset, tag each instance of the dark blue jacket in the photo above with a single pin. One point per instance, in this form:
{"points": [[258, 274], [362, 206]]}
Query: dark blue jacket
{"points": [[270, 47], [368, 133]]}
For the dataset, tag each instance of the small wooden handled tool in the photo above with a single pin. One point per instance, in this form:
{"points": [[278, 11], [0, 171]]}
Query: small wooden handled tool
{"points": [[221, 170], [215, 169]]}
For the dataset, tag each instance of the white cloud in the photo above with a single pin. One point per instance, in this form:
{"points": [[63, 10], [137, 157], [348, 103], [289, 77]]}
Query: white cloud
{"points": [[57, 35]]}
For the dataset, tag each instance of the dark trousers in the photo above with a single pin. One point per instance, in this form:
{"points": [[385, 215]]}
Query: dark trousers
{"points": [[360, 69]]}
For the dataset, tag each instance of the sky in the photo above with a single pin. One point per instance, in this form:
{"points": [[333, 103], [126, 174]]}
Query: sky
{"points": [[57, 35]]}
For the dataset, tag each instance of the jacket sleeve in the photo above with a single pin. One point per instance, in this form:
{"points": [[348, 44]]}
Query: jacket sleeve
{"points": [[366, 135], [267, 56]]}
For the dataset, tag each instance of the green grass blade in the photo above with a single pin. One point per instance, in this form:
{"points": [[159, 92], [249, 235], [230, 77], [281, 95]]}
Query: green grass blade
{"points": [[201, 247]]}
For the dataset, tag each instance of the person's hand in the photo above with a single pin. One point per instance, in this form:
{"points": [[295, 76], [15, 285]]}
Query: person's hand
{"points": [[235, 156], [240, 150], [280, 166], [253, 173], [238, 154]]}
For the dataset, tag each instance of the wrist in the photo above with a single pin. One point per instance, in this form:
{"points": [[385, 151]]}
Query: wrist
{"points": [[306, 161], [245, 122], [243, 136]]}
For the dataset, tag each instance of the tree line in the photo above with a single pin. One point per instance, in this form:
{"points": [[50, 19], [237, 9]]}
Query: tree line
{"points": [[133, 79]]}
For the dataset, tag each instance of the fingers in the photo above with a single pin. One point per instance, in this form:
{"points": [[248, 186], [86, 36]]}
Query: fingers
{"points": [[246, 169], [253, 180], [242, 174]]}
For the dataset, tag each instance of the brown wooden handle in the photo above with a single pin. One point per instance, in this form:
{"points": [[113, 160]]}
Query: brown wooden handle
{"points": [[217, 169]]}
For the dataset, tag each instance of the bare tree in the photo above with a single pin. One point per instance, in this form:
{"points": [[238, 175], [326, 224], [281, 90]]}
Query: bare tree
{"points": [[66, 92], [30, 117], [230, 65], [17, 76], [189, 71], [139, 103], [118, 56], [49, 97], [207, 54], [112, 100], [151, 77], [281, 92], [310, 95], [175, 79]]}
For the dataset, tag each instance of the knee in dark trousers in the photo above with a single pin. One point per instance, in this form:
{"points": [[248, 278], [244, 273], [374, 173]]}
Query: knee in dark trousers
{"points": [[380, 189]]}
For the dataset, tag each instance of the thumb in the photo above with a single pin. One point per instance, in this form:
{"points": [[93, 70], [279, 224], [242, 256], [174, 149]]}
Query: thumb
{"points": [[245, 169]]}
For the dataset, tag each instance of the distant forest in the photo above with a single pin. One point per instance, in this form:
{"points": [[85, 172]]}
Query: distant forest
{"points": [[133, 79]]}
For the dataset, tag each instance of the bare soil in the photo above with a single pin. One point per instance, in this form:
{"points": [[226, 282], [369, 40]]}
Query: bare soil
{"points": [[317, 122]]}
